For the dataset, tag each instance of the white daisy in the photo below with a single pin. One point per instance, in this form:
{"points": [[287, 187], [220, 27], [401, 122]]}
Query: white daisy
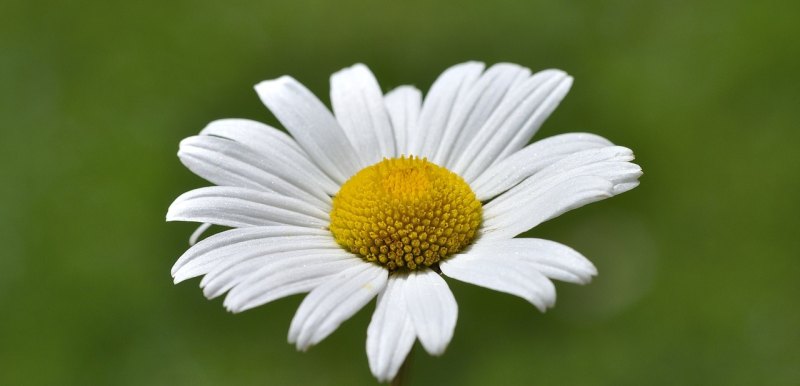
{"points": [[388, 194]]}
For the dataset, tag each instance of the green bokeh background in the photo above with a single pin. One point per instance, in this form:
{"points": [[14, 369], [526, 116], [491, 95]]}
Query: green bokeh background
{"points": [[698, 266]]}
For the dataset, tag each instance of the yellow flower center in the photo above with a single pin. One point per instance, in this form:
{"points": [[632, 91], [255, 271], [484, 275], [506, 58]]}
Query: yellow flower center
{"points": [[405, 213]]}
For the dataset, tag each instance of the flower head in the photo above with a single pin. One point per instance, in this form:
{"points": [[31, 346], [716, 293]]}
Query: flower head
{"points": [[389, 194]]}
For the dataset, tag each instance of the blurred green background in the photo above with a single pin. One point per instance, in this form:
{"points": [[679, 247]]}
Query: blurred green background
{"points": [[698, 266]]}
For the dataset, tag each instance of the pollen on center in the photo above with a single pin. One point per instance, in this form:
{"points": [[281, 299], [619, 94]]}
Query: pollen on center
{"points": [[405, 213]]}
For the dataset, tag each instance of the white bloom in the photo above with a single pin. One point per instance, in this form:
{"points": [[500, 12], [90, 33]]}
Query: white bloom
{"points": [[388, 193]]}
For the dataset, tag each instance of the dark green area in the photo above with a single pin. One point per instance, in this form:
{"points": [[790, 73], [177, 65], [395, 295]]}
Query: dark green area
{"points": [[698, 266]]}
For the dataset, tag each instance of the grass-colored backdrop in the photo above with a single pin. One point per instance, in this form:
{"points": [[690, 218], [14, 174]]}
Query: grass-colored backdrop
{"points": [[698, 266]]}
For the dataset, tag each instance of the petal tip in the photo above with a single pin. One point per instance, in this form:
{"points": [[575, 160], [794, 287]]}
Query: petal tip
{"points": [[266, 86], [175, 277]]}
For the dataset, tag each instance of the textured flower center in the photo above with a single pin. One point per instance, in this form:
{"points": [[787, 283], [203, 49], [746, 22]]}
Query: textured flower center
{"points": [[405, 213]]}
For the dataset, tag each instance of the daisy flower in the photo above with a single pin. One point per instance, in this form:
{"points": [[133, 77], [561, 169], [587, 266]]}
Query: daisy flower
{"points": [[387, 195]]}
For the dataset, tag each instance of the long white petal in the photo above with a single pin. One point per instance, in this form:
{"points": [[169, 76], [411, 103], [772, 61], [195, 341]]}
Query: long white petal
{"points": [[518, 266], [358, 105], [404, 104], [241, 207], [259, 136], [198, 233], [554, 260], [449, 88], [232, 171], [561, 262], [243, 263], [312, 125], [609, 162], [491, 270], [477, 105], [605, 154], [559, 199], [530, 160], [390, 334], [222, 247], [554, 96], [514, 122], [278, 278], [229, 163], [335, 301], [579, 179], [269, 142], [432, 308]]}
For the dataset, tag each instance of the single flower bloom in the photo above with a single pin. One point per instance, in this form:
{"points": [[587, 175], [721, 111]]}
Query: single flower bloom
{"points": [[388, 194]]}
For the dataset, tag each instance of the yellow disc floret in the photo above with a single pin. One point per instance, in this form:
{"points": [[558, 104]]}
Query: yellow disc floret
{"points": [[405, 213]]}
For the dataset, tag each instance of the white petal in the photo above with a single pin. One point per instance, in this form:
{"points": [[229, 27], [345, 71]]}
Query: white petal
{"points": [[530, 160], [223, 247], [574, 181], [554, 96], [595, 156], [312, 125], [492, 270], [241, 207], [229, 163], [445, 93], [517, 266], [335, 301], [404, 104], [270, 142], [625, 186], [609, 162], [513, 123], [231, 171], [477, 105], [198, 233], [390, 334], [257, 135], [559, 259], [561, 198], [241, 264], [279, 278], [432, 308], [358, 105]]}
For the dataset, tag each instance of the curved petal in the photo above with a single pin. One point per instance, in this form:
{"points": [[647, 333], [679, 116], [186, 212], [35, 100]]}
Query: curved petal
{"points": [[509, 172], [514, 122], [554, 260], [242, 264], [560, 87], [609, 162], [241, 207], [231, 172], [404, 104], [477, 105], [224, 247], [521, 267], [559, 199], [432, 308], [228, 163], [491, 270], [572, 182], [437, 108], [335, 301], [269, 142], [279, 278], [588, 157], [358, 105], [311, 125], [259, 136], [390, 334], [198, 233]]}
